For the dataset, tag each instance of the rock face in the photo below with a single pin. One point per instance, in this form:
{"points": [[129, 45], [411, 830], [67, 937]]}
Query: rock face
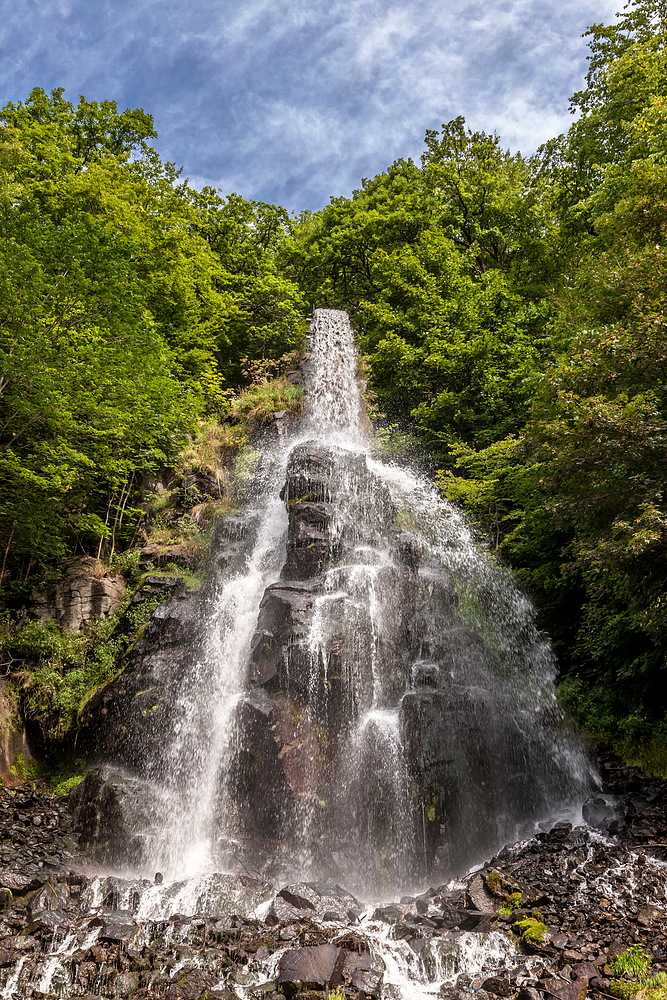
{"points": [[107, 809], [371, 705], [13, 743], [378, 708], [85, 593], [124, 721]]}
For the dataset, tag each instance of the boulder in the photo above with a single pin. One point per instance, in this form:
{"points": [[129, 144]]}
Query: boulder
{"points": [[319, 966], [604, 812], [110, 808], [326, 900]]}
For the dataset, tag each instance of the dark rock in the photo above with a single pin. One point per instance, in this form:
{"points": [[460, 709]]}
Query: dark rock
{"points": [[567, 990], [109, 809], [318, 966], [283, 615], [389, 914], [497, 985], [366, 980], [604, 812], [116, 933], [585, 970], [266, 806], [528, 993]]}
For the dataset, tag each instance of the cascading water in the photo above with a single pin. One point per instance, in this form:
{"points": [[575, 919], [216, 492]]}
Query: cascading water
{"points": [[194, 813], [358, 696], [369, 698]]}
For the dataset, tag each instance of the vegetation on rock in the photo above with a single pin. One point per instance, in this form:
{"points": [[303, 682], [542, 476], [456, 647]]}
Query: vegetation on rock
{"points": [[635, 976]]}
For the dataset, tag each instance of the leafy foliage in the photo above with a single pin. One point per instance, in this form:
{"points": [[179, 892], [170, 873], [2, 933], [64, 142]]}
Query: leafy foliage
{"points": [[127, 301], [634, 966], [512, 312]]}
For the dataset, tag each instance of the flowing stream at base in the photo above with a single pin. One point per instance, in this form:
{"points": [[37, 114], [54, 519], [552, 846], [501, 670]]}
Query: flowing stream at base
{"points": [[371, 702]]}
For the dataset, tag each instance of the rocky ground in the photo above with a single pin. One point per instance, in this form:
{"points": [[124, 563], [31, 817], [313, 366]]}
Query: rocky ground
{"points": [[569, 900]]}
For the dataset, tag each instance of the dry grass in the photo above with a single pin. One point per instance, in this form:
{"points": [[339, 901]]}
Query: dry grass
{"points": [[256, 405]]}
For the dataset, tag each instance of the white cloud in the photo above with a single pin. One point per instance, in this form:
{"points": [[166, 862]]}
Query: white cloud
{"points": [[291, 99]]}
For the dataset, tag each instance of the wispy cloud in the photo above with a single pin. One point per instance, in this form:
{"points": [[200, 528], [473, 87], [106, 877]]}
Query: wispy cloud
{"points": [[287, 101]]}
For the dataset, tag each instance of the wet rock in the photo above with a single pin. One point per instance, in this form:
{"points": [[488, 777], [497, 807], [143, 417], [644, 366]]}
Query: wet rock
{"points": [[390, 914], [20, 883], [109, 809], [319, 966], [604, 812], [363, 972], [188, 984], [319, 897], [116, 933], [283, 617], [263, 806]]}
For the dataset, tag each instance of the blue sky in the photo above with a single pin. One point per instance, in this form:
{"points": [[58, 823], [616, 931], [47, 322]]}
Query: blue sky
{"points": [[291, 101]]}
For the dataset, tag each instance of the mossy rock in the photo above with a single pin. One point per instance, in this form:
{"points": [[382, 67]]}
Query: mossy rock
{"points": [[531, 931]]}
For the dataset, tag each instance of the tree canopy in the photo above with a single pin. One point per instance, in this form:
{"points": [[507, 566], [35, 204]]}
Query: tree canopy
{"points": [[128, 301], [512, 311]]}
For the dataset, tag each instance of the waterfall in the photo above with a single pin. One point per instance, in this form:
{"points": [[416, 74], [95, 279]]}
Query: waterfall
{"points": [[370, 699]]}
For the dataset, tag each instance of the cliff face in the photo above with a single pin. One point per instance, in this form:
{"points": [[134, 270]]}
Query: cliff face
{"points": [[85, 592]]}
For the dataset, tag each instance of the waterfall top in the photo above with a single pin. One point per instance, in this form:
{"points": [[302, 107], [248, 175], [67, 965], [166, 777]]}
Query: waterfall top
{"points": [[335, 413]]}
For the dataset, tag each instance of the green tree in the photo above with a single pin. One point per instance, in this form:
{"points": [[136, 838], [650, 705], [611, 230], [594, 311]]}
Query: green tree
{"points": [[127, 304]]}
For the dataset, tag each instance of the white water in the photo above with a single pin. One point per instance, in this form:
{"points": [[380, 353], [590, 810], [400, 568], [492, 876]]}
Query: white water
{"points": [[352, 638], [197, 815], [336, 414], [442, 960]]}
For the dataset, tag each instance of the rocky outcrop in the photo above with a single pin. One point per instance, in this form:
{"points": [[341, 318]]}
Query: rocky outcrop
{"points": [[14, 748], [371, 706], [125, 720], [85, 592]]}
